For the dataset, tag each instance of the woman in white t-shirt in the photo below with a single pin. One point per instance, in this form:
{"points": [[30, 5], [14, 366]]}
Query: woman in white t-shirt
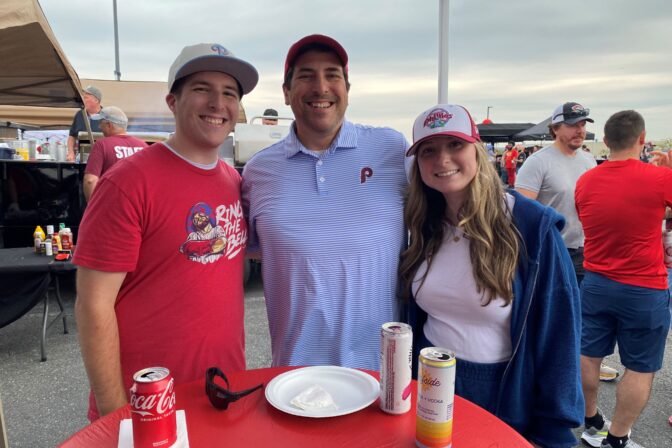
{"points": [[489, 278]]}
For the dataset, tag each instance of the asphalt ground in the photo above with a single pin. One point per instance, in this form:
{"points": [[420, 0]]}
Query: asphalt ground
{"points": [[45, 402]]}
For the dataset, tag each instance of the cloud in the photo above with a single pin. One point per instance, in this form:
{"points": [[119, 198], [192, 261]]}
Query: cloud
{"points": [[523, 57]]}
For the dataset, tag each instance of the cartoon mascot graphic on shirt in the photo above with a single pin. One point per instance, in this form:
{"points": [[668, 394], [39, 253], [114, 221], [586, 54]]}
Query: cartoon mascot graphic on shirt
{"points": [[206, 241]]}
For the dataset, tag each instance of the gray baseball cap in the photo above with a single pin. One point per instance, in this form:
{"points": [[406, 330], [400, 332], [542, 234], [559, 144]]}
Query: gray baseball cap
{"points": [[113, 115], [95, 91], [212, 58]]}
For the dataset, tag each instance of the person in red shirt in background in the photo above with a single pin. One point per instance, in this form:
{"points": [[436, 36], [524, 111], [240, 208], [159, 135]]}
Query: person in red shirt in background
{"points": [[510, 160], [115, 146], [621, 204]]}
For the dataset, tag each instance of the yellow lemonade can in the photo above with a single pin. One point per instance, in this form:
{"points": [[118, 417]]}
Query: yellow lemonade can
{"points": [[436, 397]]}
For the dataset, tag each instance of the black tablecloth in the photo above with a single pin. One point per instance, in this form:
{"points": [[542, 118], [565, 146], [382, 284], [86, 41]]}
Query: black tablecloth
{"points": [[24, 259], [24, 279]]}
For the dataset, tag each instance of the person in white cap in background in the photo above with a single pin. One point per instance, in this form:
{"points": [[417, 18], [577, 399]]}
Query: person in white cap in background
{"points": [[92, 97], [550, 176], [165, 288], [115, 146], [325, 212], [487, 275]]}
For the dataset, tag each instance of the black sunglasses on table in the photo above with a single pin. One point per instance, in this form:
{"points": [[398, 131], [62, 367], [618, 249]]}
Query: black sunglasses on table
{"points": [[221, 397]]}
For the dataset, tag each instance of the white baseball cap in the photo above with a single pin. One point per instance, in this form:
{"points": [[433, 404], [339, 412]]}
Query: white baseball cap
{"points": [[113, 115], [444, 119], [212, 58]]}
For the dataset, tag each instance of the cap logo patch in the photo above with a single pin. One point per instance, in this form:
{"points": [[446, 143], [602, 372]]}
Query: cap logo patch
{"points": [[437, 118], [220, 50], [577, 107]]}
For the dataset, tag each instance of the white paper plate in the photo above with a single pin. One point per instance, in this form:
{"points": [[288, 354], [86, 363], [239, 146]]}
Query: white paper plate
{"points": [[350, 389]]}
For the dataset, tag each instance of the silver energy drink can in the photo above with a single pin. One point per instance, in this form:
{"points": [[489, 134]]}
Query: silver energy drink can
{"points": [[667, 247], [436, 397], [396, 356]]}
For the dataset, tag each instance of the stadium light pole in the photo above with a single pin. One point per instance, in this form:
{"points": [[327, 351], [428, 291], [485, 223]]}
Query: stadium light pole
{"points": [[487, 113], [443, 50], [117, 73]]}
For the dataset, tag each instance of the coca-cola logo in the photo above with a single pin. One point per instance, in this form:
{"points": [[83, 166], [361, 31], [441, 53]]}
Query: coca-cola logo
{"points": [[161, 403]]}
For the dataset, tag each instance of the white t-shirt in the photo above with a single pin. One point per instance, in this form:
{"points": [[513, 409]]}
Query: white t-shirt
{"points": [[456, 318]]}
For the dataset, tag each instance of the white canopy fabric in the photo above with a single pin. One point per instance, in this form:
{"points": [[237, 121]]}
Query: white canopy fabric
{"points": [[33, 69]]}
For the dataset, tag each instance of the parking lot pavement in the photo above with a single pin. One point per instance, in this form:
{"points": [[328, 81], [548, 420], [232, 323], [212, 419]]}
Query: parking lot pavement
{"points": [[45, 402]]}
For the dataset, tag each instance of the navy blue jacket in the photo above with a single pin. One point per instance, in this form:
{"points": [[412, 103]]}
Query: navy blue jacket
{"points": [[540, 394]]}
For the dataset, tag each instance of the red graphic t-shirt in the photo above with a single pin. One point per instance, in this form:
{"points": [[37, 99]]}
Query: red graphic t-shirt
{"points": [[178, 232]]}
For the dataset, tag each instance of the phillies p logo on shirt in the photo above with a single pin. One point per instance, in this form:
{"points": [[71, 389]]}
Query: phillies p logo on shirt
{"points": [[364, 174]]}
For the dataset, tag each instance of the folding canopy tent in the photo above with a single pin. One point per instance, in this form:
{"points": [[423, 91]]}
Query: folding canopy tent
{"points": [[501, 132], [34, 69], [39, 87]]}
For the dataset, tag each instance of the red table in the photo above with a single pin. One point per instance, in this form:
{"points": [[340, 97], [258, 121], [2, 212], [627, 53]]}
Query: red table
{"points": [[252, 421]]}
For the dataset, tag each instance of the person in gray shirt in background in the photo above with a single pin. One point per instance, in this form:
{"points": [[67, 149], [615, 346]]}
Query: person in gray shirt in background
{"points": [[550, 174]]}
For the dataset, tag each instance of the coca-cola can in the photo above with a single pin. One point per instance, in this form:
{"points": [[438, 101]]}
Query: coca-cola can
{"points": [[153, 408], [396, 356]]}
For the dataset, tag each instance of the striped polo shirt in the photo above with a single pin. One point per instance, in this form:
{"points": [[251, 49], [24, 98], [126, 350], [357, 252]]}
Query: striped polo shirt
{"points": [[329, 227]]}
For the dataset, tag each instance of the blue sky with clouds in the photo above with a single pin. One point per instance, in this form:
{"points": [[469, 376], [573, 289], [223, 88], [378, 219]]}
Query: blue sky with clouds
{"points": [[522, 57]]}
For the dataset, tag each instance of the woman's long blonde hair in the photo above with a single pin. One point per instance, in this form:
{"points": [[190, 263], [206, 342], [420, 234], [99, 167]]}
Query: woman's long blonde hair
{"points": [[494, 242]]}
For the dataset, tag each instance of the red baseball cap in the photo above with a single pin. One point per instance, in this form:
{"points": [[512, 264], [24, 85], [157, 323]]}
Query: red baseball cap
{"points": [[316, 39]]}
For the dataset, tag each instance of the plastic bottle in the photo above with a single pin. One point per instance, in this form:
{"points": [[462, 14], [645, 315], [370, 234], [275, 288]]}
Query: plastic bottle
{"points": [[56, 242], [66, 238], [38, 237], [39, 232]]}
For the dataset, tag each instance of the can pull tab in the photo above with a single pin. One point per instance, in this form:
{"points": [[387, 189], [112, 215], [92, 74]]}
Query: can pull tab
{"points": [[150, 376]]}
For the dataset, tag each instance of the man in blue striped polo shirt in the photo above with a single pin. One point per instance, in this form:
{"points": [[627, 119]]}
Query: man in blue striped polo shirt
{"points": [[325, 212]]}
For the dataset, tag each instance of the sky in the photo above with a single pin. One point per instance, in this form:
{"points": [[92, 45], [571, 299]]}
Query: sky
{"points": [[521, 58]]}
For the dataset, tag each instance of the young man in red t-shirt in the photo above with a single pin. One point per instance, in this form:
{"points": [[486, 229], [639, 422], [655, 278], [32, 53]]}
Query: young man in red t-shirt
{"points": [[115, 146], [621, 204], [161, 246]]}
